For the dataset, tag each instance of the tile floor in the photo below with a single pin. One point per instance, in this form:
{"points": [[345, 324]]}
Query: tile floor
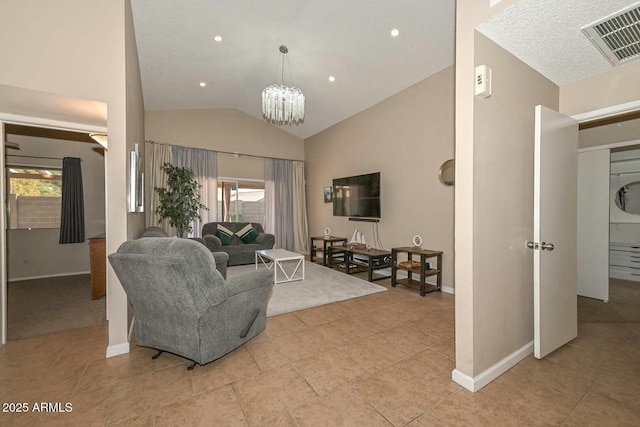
{"points": [[380, 360]]}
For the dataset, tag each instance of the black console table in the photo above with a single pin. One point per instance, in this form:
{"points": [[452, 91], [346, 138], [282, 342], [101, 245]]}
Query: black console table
{"points": [[369, 260]]}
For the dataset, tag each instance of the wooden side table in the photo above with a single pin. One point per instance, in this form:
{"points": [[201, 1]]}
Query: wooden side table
{"points": [[98, 260], [328, 241], [417, 267]]}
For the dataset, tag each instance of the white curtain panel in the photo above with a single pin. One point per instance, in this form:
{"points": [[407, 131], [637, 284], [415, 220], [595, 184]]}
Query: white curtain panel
{"points": [[155, 156], [204, 164], [300, 224], [278, 176]]}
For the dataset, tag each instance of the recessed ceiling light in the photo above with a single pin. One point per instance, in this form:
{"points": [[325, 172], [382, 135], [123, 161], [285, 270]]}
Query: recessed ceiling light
{"points": [[202, 84], [395, 32], [218, 38], [332, 79]]}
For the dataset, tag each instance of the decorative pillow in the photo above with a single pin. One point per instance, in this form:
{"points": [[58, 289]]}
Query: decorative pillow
{"points": [[248, 234], [224, 234]]}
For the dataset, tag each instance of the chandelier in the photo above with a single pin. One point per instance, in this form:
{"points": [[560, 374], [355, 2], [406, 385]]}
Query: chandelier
{"points": [[281, 104]]}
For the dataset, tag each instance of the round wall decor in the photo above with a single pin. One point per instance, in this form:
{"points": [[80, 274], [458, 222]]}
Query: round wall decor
{"points": [[417, 241], [447, 173]]}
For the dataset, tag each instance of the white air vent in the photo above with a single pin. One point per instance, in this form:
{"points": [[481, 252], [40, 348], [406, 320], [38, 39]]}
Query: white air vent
{"points": [[617, 36]]}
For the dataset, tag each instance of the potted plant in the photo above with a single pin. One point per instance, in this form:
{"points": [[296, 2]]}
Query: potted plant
{"points": [[180, 201]]}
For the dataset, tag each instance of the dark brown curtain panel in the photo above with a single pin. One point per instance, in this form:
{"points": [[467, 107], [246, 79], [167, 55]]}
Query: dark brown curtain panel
{"points": [[72, 219]]}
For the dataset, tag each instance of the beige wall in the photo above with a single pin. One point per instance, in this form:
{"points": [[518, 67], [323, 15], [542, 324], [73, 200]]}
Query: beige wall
{"points": [[36, 252], [503, 203], [469, 14], [487, 328], [135, 112], [405, 137], [77, 49], [618, 86], [610, 134], [222, 129]]}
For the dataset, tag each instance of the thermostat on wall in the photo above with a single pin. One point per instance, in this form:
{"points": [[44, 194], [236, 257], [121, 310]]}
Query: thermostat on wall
{"points": [[483, 81]]}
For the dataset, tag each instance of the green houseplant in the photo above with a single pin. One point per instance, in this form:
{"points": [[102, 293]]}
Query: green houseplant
{"points": [[180, 201]]}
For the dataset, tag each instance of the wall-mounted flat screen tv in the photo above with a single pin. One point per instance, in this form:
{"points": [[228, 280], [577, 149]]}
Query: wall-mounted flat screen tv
{"points": [[357, 196]]}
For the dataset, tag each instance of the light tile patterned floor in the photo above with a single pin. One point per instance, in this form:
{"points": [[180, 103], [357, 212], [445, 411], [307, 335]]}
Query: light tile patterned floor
{"points": [[380, 360]]}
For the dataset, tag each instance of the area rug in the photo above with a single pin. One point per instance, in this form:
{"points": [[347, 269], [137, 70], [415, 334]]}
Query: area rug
{"points": [[321, 286]]}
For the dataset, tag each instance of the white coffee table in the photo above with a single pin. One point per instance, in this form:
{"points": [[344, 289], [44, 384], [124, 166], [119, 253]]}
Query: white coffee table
{"points": [[274, 259]]}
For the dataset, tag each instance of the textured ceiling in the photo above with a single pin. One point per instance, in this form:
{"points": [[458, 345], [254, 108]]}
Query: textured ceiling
{"points": [[346, 39], [546, 35]]}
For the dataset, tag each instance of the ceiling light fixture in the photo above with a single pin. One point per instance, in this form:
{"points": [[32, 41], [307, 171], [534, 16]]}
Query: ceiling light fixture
{"points": [[395, 32], [100, 138], [281, 104], [218, 38], [332, 79], [202, 84]]}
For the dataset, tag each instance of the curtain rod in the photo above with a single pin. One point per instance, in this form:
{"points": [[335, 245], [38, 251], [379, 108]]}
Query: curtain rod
{"points": [[223, 152]]}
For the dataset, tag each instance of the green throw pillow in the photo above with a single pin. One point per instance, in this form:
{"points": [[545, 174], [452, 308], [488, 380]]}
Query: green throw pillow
{"points": [[247, 234], [224, 234]]}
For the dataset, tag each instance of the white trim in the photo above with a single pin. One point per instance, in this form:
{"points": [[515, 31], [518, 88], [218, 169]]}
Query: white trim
{"points": [[476, 383], [603, 113], [118, 349], [612, 145], [48, 276], [448, 289], [3, 246], [38, 122], [237, 180], [49, 123]]}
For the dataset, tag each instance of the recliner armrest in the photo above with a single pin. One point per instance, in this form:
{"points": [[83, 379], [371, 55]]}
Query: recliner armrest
{"points": [[221, 259], [249, 281], [198, 239], [212, 242], [266, 239]]}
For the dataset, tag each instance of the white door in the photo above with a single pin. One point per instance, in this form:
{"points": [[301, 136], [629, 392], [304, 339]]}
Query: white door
{"points": [[555, 230], [3, 246], [593, 224]]}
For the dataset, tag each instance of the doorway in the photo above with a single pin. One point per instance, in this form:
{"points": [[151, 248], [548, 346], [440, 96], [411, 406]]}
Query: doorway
{"points": [[609, 163], [49, 284], [31, 158]]}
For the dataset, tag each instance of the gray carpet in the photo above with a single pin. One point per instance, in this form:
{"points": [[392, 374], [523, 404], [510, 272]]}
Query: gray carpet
{"points": [[44, 306], [321, 286]]}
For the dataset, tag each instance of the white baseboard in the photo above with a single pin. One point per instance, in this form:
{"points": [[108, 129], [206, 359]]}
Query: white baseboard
{"points": [[48, 276], [118, 349], [476, 383], [448, 289]]}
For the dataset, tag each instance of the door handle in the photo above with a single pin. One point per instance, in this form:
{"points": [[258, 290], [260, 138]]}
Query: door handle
{"points": [[532, 245], [547, 246]]}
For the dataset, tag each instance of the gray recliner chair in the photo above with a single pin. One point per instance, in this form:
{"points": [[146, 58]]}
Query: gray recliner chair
{"points": [[182, 304]]}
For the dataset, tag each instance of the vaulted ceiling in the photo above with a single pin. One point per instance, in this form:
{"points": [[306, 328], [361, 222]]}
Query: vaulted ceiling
{"points": [[349, 40]]}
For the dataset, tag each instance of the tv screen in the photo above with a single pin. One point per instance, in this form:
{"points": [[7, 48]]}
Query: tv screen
{"points": [[357, 196]]}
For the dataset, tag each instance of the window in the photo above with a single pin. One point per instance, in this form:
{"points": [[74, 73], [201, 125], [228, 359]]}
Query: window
{"points": [[35, 197], [240, 201]]}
